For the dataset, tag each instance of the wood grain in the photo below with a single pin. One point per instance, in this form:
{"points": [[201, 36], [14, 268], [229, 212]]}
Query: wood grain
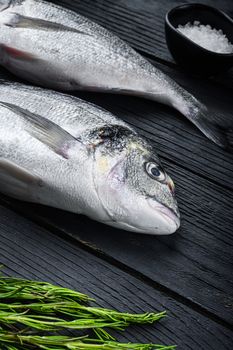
{"points": [[28, 251]]}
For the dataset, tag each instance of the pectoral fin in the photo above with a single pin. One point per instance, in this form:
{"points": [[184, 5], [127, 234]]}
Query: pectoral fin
{"points": [[17, 182], [19, 21], [45, 130]]}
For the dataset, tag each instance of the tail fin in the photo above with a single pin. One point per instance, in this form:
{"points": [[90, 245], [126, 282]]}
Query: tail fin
{"points": [[216, 127]]}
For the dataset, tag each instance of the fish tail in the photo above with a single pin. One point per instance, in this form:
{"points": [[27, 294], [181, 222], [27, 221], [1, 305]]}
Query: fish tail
{"points": [[214, 125], [217, 127]]}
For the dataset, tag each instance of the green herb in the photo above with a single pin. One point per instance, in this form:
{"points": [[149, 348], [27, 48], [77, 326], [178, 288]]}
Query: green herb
{"points": [[53, 301], [43, 307], [79, 312], [20, 289], [64, 342]]}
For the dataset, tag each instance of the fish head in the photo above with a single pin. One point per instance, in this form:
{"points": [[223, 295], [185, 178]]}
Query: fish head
{"points": [[133, 188]]}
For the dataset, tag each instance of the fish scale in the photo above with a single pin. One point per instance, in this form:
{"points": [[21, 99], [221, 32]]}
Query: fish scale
{"points": [[80, 115], [57, 48], [27, 149], [89, 51], [60, 151]]}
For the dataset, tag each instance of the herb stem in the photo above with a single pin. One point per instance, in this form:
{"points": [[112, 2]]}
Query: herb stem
{"points": [[20, 289], [43, 307], [78, 311], [64, 342]]}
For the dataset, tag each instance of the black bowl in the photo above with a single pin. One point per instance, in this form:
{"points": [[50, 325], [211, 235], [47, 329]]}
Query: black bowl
{"points": [[190, 55]]}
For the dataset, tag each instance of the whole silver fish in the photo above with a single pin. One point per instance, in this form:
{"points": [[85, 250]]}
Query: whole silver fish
{"points": [[63, 152], [54, 47]]}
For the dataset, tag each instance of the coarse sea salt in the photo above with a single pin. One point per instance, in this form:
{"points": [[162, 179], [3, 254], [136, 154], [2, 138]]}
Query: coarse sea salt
{"points": [[207, 37]]}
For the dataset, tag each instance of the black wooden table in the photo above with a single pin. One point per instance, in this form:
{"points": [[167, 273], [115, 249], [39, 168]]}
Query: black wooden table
{"points": [[189, 273]]}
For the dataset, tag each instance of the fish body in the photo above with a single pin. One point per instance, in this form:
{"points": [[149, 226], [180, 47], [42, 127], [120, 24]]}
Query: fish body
{"points": [[57, 48], [60, 151]]}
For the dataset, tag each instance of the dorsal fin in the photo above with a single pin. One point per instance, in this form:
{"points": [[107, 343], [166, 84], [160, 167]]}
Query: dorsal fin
{"points": [[18, 21]]}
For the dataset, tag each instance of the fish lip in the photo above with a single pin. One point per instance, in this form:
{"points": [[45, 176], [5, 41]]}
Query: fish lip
{"points": [[169, 213], [166, 212]]}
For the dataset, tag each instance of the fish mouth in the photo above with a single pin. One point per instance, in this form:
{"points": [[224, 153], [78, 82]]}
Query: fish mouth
{"points": [[168, 222], [167, 214]]}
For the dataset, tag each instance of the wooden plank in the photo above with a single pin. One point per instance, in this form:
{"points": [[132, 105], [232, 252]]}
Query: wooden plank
{"points": [[142, 26], [203, 175], [28, 251], [196, 263]]}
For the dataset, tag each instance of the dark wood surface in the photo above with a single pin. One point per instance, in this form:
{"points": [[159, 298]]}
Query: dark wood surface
{"points": [[30, 251], [189, 273]]}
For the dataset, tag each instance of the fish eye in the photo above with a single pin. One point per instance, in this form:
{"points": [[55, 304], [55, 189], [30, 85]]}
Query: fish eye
{"points": [[155, 171]]}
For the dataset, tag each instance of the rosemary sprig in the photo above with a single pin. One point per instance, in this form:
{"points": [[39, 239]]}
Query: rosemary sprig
{"points": [[20, 289], [41, 306], [78, 311], [49, 323], [64, 343]]}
